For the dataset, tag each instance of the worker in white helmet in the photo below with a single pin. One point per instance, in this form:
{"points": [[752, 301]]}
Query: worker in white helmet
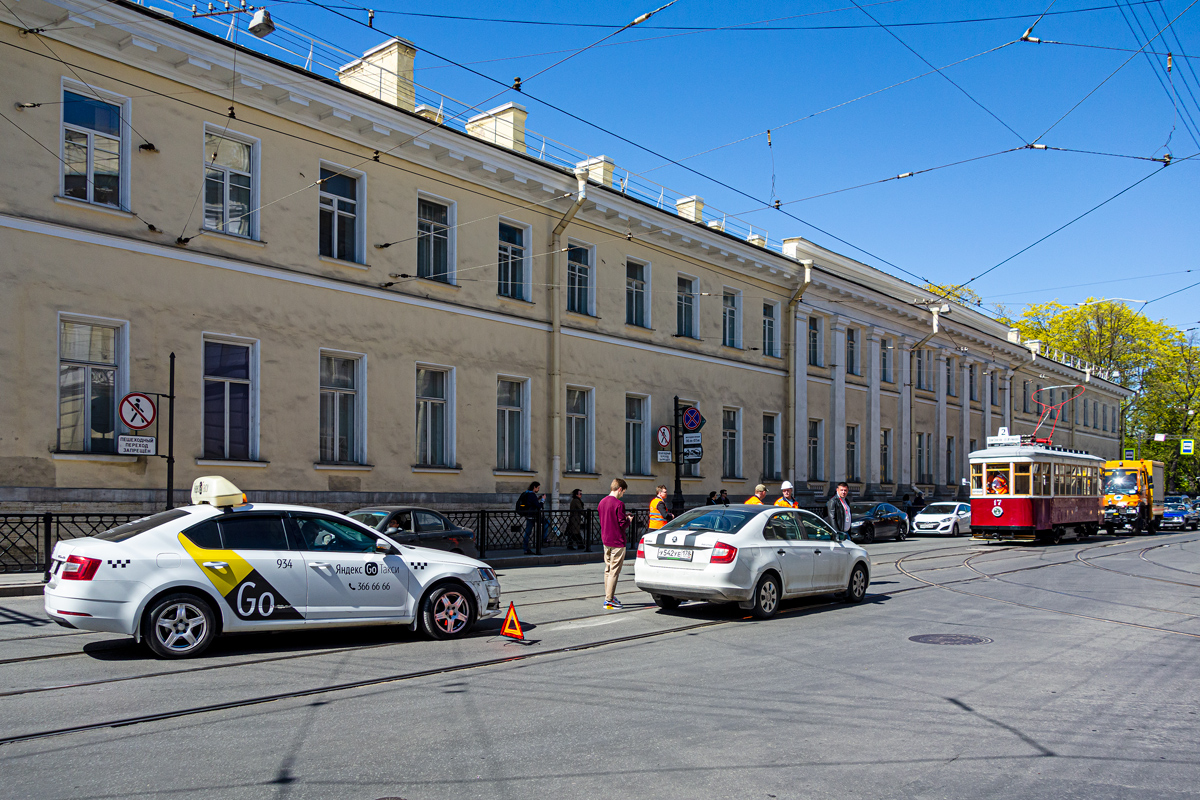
{"points": [[788, 500]]}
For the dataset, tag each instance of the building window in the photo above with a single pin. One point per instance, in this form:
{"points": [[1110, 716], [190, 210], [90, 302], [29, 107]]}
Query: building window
{"points": [[339, 425], [924, 458], [636, 296], [433, 240], [1037, 401], [852, 453], [1104, 417], [951, 462], [1095, 413], [951, 383], [579, 450], [770, 330], [635, 436], [1025, 396], [731, 451], [89, 380], [816, 452], [434, 422], [885, 455], [815, 350], [731, 325], [885, 360], [973, 392], [685, 307], [924, 371], [974, 445], [852, 351], [510, 425], [229, 185], [511, 262], [771, 460], [579, 280], [995, 390], [94, 150], [228, 400], [339, 215]]}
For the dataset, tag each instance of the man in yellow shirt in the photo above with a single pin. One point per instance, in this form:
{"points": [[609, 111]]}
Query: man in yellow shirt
{"points": [[659, 513], [760, 494], [787, 501]]}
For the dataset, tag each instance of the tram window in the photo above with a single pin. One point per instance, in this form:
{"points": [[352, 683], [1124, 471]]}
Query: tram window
{"points": [[998, 478], [977, 479], [1041, 480], [1021, 478]]}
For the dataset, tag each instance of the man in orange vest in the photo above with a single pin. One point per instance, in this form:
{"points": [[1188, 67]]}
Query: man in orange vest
{"points": [[659, 513], [787, 501], [760, 494]]}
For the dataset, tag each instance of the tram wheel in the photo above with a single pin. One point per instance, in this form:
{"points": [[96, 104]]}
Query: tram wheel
{"points": [[1056, 536]]}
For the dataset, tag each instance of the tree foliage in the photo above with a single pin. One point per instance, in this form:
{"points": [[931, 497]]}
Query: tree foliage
{"points": [[963, 295], [1157, 361]]}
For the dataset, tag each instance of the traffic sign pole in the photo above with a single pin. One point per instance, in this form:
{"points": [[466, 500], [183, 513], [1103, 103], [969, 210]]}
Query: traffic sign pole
{"points": [[677, 500], [171, 438]]}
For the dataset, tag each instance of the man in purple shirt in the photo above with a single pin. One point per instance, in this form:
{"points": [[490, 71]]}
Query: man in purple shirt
{"points": [[614, 519]]}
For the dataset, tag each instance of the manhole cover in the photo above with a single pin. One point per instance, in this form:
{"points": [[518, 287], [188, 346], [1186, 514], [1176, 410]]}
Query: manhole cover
{"points": [[949, 638]]}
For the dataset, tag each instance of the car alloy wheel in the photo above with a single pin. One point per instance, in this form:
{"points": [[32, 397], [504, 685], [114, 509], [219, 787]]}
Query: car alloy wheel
{"points": [[901, 531], [766, 597], [954, 530], [179, 626], [447, 612], [868, 534], [856, 590]]}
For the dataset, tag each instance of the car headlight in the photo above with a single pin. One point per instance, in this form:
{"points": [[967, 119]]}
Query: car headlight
{"points": [[487, 574]]}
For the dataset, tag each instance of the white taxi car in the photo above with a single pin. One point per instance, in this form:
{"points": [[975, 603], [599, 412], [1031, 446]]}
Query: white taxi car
{"points": [[952, 519], [751, 555], [179, 578]]}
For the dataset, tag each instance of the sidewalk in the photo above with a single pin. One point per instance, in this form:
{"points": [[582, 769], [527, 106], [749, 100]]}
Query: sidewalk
{"points": [[20, 584]]}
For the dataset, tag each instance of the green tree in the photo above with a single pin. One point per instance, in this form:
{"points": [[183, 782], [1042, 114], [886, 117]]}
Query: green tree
{"points": [[963, 295]]}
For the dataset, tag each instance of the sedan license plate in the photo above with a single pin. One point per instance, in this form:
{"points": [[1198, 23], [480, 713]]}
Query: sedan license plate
{"points": [[667, 553]]}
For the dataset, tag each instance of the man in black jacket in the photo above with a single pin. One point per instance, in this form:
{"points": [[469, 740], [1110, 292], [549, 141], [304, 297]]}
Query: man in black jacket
{"points": [[837, 510]]}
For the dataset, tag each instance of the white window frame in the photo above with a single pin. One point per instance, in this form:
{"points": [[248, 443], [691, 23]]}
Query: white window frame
{"points": [[816, 468], [126, 140], [924, 366], [592, 270], [773, 472], [737, 317], [589, 461], [647, 292], [771, 346], [255, 428], [451, 235], [819, 349], [451, 415], [120, 385], [255, 173], [972, 375], [526, 422], [885, 360], [853, 351], [647, 436], [360, 211], [360, 403], [739, 473], [951, 377], [694, 331], [526, 262]]}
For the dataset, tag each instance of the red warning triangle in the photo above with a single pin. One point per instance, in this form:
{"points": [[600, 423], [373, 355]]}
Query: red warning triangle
{"points": [[512, 625]]}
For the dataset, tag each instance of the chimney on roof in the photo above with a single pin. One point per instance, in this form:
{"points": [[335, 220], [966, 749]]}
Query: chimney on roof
{"points": [[504, 126], [430, 113], [600, 169], [385, 72], [690, 208], [791, 247], [1014, 335], [758, 239]]}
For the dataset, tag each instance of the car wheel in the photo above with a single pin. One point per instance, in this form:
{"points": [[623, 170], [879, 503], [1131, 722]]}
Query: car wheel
{"points": [[666, 603], [901, 531], [868, 534], [179, 626], [954, 530], [1110, 530], [766, 597], [856, 589], [448, 612]]}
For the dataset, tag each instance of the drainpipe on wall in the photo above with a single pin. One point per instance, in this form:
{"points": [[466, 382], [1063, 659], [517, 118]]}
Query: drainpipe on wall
{"points": [[794, 366], [912, 389], [558, 399]]}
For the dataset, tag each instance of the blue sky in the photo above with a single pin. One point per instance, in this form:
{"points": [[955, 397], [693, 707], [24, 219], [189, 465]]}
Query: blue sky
{"points": [[682, 94]]}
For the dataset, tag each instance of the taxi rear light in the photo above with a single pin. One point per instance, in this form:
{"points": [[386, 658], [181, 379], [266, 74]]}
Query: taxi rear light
{"points": [[722, 553], [73, 614], [79, 568], [641, 551]]}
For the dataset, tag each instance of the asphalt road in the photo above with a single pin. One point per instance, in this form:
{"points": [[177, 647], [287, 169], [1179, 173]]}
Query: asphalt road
{"points": [[1083, 686]]}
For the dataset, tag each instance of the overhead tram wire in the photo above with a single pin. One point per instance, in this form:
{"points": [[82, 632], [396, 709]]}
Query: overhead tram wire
{"points": [[1089, 283], [1114, 72], [1189, 124], [951, 81], [1187, 60], [642, 147]]}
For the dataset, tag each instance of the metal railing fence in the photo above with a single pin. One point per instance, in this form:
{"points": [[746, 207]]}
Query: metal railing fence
{"points": [[26, 540]]}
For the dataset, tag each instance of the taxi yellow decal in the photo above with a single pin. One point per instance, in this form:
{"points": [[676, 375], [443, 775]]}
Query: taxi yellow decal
{"points": [[248, 593]]}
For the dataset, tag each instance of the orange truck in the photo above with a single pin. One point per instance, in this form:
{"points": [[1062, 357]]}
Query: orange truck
{"points": [[1132, 494]]}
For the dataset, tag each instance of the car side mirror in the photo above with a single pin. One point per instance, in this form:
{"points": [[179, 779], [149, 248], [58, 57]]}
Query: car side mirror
{"points": [[839, 536], [383, 547]]}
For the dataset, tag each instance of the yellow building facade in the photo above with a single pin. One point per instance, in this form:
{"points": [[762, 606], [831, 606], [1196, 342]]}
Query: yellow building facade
{"points": [[367, 304]]}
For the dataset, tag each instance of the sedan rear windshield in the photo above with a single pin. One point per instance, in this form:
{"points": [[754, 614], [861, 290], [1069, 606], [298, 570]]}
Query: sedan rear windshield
{"points": [[707, 518], [131, 529], [861, 509], [369, 518], [940, 508]]}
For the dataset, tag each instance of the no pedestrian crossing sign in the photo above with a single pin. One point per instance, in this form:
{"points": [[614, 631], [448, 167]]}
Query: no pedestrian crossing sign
{"points": [[664, 436], [137, 411], [1187, 447]]}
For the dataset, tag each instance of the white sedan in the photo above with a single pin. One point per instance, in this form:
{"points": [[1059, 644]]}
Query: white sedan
{"points": [[953, 519], [180, 577], [751, 555]]}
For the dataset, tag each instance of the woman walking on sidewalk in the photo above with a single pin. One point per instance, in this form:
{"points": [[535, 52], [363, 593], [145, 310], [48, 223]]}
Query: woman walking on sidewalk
{"points": [[614, 520], [575, 520]]}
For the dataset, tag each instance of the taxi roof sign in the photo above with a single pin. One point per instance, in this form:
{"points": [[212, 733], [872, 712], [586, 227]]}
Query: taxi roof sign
{"points": [[216, 491]]}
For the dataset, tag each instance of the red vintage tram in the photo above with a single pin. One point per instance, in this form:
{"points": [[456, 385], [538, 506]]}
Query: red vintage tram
{"points": [[1026, 490]]}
